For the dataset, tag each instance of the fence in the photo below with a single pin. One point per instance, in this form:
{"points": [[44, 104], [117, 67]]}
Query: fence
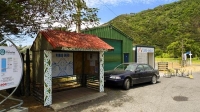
{"points": [[162, 66]]}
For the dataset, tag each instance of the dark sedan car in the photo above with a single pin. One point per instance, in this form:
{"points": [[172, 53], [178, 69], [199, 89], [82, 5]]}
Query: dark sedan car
{"points": [[128, 74]]}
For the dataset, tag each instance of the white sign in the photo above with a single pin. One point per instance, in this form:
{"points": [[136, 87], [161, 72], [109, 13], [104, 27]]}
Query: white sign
{"points": [[11, 67], [62, 64], [142, 54], [145, 50]]}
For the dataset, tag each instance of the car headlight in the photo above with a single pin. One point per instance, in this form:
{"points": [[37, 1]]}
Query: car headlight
{"points": [[115, 77]]}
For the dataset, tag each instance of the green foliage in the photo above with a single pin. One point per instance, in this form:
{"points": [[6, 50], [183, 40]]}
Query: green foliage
{"points": [[164, 27], [29, 16], [23, 49], [165, 55], [158, 52]]}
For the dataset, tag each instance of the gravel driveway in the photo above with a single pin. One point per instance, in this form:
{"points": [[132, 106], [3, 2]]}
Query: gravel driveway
{"points": [[175, 94]]}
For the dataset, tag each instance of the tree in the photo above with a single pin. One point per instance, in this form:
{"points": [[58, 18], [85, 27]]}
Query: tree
{"points": [[175, 48], [26, 17], [74, 12], [164, 27]]}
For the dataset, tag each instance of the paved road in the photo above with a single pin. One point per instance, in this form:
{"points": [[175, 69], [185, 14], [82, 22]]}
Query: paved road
{"points": [[176, 94]]}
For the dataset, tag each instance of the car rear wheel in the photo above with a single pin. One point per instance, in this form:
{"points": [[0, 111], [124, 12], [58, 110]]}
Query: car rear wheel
{"points": [[127, 84], [154, 79]]}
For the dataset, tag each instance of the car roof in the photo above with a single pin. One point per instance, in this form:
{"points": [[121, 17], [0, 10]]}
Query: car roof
{"points": [[135, 63]]}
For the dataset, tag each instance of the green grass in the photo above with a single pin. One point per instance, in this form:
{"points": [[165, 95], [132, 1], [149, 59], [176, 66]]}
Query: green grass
{"points": [[194, 60], [167, 59]]}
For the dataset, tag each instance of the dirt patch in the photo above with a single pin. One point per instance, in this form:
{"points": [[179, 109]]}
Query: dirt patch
{"points": [[28, 101], [193, 68], [180, 98]]}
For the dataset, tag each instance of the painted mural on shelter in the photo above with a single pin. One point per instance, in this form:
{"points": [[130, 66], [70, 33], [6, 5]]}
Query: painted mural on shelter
{"points": [[62, 64]]}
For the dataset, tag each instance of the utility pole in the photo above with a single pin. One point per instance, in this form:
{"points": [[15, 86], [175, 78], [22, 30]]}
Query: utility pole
{"points": [[182, 63]]}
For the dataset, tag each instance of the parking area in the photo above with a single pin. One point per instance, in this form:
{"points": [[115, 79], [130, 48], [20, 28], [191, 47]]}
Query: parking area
{"points": [[175, 94]]}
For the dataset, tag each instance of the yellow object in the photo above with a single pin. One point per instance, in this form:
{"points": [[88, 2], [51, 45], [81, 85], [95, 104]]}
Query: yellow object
{"points": [[190, 76]]}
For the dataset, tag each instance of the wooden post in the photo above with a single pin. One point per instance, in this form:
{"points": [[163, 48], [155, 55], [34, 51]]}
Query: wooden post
{"points": [[22, 80], [28, 72]]}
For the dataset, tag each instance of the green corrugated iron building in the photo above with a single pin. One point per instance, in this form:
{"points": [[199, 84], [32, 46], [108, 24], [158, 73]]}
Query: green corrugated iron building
{"points": [[122, 43]]}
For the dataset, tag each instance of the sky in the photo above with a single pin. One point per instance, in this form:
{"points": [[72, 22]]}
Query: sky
{"points": [[109, 9]]}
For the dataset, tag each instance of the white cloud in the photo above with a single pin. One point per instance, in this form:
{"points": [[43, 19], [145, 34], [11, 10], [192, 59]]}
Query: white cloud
{"points": [[57, 24], [99, 3], [73, 28]]}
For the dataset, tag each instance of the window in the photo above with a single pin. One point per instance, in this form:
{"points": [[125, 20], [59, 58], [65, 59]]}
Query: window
{"points": [[121, 67], [131, 67], [140, 67], [147, 68]]}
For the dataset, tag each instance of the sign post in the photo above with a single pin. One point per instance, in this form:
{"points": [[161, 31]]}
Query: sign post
{"points": [[190, 59], [11, 69], [190, 54]]}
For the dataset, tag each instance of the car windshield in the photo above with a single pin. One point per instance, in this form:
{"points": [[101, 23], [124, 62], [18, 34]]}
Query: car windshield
{"points": [[130, 67]]}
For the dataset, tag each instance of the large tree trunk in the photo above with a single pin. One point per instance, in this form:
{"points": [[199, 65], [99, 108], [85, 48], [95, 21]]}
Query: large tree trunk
{"points": [[78, 10]]}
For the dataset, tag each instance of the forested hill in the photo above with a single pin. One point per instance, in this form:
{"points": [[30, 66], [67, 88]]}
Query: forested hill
{"points": [[166, 27]]}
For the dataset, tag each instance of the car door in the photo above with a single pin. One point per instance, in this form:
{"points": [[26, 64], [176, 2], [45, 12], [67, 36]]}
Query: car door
{"points": [[135, 77], [140, 73], [148, 73]]}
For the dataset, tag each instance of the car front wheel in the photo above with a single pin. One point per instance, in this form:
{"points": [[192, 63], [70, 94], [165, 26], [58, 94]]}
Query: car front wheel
{"points": [[154, 79], [127, 84]]}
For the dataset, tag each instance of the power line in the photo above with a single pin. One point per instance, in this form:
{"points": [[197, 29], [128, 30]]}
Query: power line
{"points": [[115, 14], [110, 10]]}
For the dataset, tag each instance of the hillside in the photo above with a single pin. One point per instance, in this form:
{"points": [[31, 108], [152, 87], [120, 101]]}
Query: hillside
{"points": [[166, 27]]}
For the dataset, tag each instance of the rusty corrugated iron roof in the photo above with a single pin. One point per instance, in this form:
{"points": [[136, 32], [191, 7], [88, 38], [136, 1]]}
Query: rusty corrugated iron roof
{"points": [[74, 40]]}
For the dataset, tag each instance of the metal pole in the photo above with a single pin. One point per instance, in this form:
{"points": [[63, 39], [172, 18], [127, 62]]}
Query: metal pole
{"points": [[190, 59], [182, 64]]}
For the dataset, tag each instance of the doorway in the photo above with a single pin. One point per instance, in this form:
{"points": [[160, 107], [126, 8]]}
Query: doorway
{"points": [[126, 57], [151, 59]]}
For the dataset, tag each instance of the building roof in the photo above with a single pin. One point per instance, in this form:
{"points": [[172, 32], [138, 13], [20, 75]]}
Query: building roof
{"points": [[110, 26], [72, 40]]}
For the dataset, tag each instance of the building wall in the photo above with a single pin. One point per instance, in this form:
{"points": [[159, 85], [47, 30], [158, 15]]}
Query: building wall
{"points": [[101, 71], [41, 44], [38, 67], [115, 57], [110, 32], [78, 65], [47, 77], [144, 54]]}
